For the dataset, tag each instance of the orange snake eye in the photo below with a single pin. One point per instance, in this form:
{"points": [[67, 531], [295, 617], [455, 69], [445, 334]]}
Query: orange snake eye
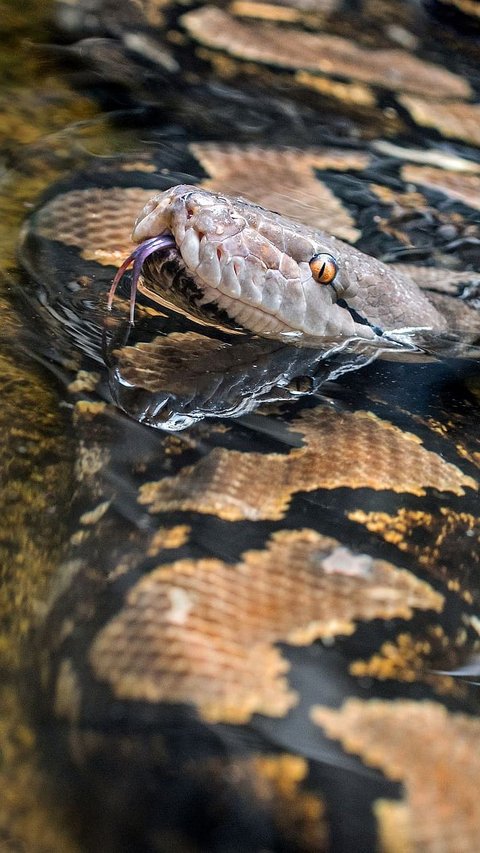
{"points": [[324, 268]]}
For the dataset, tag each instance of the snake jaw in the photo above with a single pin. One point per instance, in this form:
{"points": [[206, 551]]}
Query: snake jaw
{"points": [[137, 258]]}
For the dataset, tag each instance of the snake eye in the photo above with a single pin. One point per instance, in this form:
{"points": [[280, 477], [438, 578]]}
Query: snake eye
{"points": [[324, 268]]}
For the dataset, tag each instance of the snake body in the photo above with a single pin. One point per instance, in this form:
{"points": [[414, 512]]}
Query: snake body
{"points": [[264, 633]]}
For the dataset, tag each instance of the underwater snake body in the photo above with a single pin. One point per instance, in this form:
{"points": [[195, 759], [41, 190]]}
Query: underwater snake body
{"points": [[264, 635]]}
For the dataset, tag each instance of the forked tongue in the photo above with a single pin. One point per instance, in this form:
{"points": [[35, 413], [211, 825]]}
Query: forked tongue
{"points": [[138, 258]]}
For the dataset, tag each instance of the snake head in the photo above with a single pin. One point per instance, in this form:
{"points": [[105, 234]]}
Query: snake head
{"points": [[261, 269]]}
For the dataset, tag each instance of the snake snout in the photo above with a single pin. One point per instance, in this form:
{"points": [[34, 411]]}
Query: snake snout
{"points": [[158, 213]]}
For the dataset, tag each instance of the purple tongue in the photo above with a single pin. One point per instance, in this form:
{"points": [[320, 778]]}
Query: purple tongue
{"points": [[137, 258]]}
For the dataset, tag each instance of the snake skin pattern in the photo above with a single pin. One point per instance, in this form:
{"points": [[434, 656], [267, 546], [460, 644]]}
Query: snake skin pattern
{"points": [[264, 633]]}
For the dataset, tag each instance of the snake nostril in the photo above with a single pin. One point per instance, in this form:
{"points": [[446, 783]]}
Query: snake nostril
{"points": [[219, 253], [191, 209]]}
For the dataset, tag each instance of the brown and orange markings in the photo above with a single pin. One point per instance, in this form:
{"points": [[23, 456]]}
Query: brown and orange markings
{"points": [[409, 658], [331, 55], [433, 753], [338, 452], [85, 380], [93, 516], [453, 119], [310, 12], [459, 427], [433, 539], [177, 362], [357, 94], [141, 165], [400, 200], [97, 221], [289, 184], [88, 410], [168, 538], [473, 456], [275, 787], [153, 11], [458, 185], [174, 446], [438, 279], [204, 631], [468, 7]]}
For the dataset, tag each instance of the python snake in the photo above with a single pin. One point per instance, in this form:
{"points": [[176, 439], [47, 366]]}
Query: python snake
{"points": [[265, 634]]}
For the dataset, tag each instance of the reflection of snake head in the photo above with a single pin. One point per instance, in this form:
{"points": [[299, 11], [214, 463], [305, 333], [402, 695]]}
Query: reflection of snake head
{"points": [[261, 270]]}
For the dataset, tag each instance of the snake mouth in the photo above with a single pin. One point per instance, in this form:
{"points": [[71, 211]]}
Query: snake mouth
{"points": [[161, 243]]}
